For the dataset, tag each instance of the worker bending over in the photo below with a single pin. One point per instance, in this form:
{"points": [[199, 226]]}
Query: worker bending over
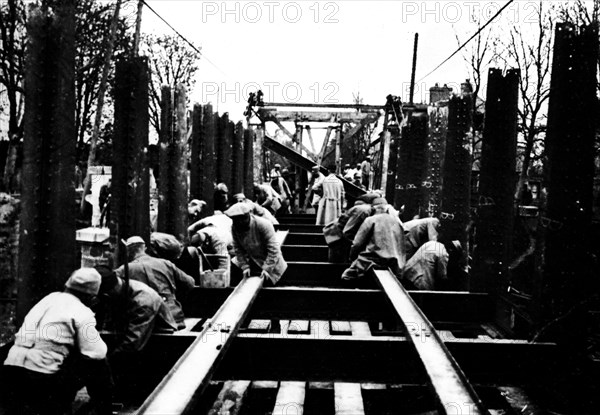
{"points": [[162, 275], [419, 231], [254, 239], [379, 242], [57, 351], [256, 209]]}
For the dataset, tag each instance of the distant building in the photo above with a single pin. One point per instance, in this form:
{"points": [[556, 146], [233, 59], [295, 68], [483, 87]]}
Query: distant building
{"points": [[439, 93]]}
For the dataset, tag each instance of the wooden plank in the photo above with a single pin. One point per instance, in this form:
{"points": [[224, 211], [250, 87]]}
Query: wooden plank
{"points": [[258, 326], [360, 329], [299, 327], [348, 399], [185, 382], [290, 398], [231, 398], [265, 384], [320, 385], [358, 107], [310, 139], [324, 147], [320, 329], [341, 328]]}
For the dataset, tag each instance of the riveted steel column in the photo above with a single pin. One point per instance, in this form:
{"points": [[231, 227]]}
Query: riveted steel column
{"points": [[224, 151], [173, 190], [208, 156], [411, 164], [572, 117], [196, 164], [237, 182], [248, 162], [495, 210], [130, 182], [47, 248], [435, 148], [456, 173]]}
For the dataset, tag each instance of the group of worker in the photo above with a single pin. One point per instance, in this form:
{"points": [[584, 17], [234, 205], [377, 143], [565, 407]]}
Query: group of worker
{"points": [[58, 349], [371, 235]]}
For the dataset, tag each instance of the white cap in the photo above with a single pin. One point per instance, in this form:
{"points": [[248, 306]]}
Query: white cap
{"points": [[85, 280]]}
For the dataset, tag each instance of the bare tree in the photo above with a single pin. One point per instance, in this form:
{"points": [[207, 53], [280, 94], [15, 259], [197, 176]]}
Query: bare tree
{"points": [[172, 62], [530, 51]]}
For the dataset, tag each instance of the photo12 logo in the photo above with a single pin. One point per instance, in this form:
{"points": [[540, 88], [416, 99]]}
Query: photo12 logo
{"points": [[289, 92], [467, 11], [269, 11]]}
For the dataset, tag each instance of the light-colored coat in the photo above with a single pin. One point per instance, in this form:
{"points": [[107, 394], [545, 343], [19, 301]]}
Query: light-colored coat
{"points": [[259, 244], [330, 205]]}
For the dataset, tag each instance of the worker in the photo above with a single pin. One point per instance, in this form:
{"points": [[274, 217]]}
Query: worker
{"points": [[314, 191], [378, 243], [291, 183], [221, 198], [419, 231], [279, 184], [219, 220], [214, 241], [254, 239], [57, 351], [427, 269], [162, 275], [267, 197], [332, 200], [257, 210], [275, 171], [338, 239], [365, 172], [133, 310], [196, 210]]}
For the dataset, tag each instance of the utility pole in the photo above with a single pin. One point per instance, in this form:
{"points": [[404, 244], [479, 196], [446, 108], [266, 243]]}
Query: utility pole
{"points": [[101, 92], [138, 26], [414, 70]]}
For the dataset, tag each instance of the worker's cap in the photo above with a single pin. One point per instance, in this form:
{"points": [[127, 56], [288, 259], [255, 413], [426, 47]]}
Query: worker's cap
{"points": [[379, 201], [285, 171], [238, 209], [85, 280], [315, 168], [196, 203], [109, 277], [346, 166], [134, 240], [164, 245], [277, 166]]}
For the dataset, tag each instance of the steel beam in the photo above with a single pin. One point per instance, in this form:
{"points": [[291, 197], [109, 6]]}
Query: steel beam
{"points": [[358, 107], [444, 374], [268, 114], [344, 305], [352, 359], [305, 253], [182, 386]]}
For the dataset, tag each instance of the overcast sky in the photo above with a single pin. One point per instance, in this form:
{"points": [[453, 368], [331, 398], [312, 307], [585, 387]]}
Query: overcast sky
{"points": [[325, 51]]}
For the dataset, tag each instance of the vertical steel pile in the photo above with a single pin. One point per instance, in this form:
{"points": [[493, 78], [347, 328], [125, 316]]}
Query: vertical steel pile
{"points": [[130, 203], [411, 165], [196, 164], [224, 150], [173, 188], [572, 111], [248, 162], [495, 210], [456, 173], [436, 146], [237, 181], [47, 249]]}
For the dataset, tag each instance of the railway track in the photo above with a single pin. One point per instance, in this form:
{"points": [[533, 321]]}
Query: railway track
{"points": [[310, 346]]}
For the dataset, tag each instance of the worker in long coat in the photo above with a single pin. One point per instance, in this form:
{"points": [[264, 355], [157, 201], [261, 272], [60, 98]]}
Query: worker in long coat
{"points": [[330, 204], [379, 243], [254, 239]]}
